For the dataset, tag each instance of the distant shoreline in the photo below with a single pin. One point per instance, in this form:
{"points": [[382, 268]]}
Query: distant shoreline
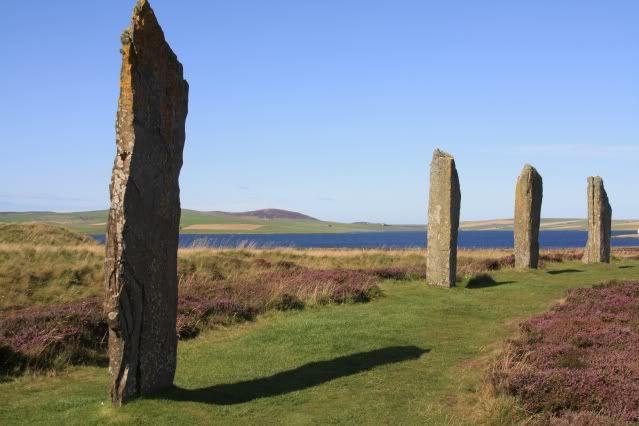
{"points": [[468, 239], [626, 236]]}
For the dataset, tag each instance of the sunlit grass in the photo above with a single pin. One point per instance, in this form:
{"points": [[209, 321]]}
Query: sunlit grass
{"points": [[271, 370]]}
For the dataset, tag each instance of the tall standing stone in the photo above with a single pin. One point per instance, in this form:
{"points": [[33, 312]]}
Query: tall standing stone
{"points": [[142, 230], [599, 223], [528, 196], [444, 201]]}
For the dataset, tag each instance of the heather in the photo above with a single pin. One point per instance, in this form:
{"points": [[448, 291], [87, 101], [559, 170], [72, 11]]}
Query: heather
{"points": [[417, 355], [41, 275], [54, 336], [50, 305], [580, 357]]}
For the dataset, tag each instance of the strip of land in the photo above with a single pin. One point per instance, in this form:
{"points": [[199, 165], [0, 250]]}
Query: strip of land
{"points": [[272, 221], [222, 227]]}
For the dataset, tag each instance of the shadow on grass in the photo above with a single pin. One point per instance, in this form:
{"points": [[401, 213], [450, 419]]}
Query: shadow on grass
{"points": [[564, 271], [14, 364], [483, 281], [626, 267], [306, 376]]}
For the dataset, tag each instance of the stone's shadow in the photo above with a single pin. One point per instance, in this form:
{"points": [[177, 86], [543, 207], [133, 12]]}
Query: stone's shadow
{"points": [[564, 271], [483, 281], [303, 377], [626, 266]]}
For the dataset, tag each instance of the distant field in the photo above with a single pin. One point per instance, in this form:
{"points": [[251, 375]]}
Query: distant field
{"points": [[546, 224], [94, 222]]}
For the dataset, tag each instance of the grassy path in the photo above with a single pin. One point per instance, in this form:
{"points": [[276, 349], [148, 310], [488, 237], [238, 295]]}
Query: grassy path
{"points": [[407, 358]]}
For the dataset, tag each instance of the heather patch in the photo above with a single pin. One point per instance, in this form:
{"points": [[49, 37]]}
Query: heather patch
{"points": [[579, 357], [53, 336]]}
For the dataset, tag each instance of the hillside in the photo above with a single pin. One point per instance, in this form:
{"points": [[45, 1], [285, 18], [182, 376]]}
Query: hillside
{"points": [[266, 221], [41, 234], [267, 214], [277, 221]]}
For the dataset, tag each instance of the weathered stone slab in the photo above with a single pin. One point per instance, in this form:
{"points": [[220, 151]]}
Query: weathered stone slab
{"points": [[142, 230], [599, 223], [528, 197], [444, 202]]}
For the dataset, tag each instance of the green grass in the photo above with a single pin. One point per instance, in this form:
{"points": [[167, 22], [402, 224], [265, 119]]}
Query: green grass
{"points": [[349, 364], [92, 222], [41, 234]]}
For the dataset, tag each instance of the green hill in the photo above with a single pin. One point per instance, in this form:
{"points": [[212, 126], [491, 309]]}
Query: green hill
{"points": [[267, 221], [277, 221], [41, 234]]}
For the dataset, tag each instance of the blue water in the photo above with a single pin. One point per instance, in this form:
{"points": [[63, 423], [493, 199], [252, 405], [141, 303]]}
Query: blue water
{"points": [[467, 239]]}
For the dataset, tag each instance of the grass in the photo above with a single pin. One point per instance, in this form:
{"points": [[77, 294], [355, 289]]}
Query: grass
{"points": [[415, 356], [41, 234], [40, 274], [93, 222]]}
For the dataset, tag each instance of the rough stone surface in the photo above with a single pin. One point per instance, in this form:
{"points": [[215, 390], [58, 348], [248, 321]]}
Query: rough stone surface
{"points": [[444, 201], [142, 230], [599, 223], [528, 196]]}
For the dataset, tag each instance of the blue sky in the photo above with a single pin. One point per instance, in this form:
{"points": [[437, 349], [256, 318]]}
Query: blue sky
{"points": [[333, 107]]}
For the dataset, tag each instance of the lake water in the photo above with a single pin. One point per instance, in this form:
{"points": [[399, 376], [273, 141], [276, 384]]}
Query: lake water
{"points": [[467, 239]]}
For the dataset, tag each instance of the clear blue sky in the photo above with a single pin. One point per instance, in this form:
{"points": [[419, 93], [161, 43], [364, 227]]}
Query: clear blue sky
{"points": [[333, 107]]}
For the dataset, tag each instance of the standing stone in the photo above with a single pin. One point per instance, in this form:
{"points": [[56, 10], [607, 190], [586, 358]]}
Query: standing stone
{"points": [[599, 223], [528, 195], [444, 202], [142, 229]]}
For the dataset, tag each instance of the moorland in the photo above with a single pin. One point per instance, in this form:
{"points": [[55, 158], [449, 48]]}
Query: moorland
{"points": [[277, 221], [338, 336]]}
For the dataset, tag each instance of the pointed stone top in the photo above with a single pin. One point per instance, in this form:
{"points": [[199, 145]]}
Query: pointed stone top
{"points": [[143, 18], [438, 153], [145, 40], [141, 6], [597, 180]]}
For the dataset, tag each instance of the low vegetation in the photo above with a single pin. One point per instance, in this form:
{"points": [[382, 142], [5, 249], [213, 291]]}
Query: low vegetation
{"points": [[41, 234], [579, 360], [263, 307], [50, 307]]}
